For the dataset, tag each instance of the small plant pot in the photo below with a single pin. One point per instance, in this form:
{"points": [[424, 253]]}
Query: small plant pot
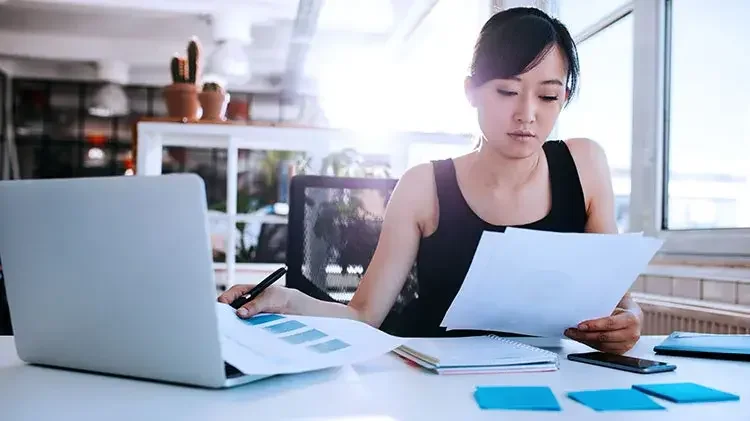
{"points": [[214, 104], [181, 100]]}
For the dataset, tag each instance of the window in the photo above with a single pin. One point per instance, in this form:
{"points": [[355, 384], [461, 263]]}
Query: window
{"points": [[603, 108], [579, 15], [708, 149], [690, 137]]}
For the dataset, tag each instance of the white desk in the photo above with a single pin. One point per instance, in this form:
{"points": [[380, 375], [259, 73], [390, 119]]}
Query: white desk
{"points": [[383, 390]]}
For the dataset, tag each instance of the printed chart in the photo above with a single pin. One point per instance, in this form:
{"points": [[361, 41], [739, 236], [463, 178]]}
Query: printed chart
{"points": [[278, 344]]}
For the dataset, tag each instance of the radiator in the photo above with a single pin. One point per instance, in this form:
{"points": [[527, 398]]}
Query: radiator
{"points": [[664, 315]]}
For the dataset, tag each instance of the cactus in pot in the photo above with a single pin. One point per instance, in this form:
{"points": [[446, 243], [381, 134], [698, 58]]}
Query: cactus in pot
{"points": [[181, 96], [194, 54], [214, 100]]}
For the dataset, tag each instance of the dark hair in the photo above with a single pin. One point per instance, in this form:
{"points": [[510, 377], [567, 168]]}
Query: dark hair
{"points": [[515, 40]]}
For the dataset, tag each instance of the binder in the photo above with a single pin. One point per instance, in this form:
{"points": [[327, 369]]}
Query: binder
{"points": [[477, 354], [703, 345]]}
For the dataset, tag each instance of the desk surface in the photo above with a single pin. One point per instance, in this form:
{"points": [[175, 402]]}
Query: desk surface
{"points": [[384, 389]]}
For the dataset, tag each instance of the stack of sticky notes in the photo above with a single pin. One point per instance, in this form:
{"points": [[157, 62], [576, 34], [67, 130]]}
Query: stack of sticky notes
{"points": [[529, 398], [639, 397], [685, 392], [615, 400]]}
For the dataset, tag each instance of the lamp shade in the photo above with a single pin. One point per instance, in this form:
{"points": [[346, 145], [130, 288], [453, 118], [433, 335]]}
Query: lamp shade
{"points": [[109, 100], [229, 62]]}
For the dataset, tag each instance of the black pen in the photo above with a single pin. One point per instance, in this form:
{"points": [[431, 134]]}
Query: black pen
{"points": [[248, 296]]}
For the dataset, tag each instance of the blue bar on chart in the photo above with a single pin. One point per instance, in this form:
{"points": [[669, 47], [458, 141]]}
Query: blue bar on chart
{"points": [[285, 327], [330, 346], [306, 336], [263, 318]]}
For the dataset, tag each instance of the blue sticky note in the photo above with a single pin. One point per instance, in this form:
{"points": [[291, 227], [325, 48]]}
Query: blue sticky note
{"points": [[615, 400], [529, 398], [686, 392]]}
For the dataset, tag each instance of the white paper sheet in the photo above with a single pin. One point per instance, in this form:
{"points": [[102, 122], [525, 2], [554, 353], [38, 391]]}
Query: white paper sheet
{"points": [[541, 283], [295, 344]]}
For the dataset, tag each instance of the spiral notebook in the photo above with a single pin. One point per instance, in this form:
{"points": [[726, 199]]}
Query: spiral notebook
{"points": [[477, 354]]}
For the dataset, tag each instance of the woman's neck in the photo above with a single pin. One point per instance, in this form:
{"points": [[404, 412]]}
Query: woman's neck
{"points": [[493, 169]]}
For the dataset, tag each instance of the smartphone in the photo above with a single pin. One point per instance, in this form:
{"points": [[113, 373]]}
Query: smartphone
{"points": [[621, 362]]}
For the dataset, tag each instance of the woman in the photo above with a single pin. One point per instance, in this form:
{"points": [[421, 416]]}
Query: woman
{"points": [[524, 70]]}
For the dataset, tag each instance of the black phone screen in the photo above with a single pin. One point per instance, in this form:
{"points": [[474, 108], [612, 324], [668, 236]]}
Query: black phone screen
{"points": [[620, 360]]}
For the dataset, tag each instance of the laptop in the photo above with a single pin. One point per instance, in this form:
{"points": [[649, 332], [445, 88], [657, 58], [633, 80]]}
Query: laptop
{"points": [[114, 275]]}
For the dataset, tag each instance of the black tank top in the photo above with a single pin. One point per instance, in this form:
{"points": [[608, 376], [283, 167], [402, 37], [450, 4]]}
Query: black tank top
{"points": [[444, 257]]}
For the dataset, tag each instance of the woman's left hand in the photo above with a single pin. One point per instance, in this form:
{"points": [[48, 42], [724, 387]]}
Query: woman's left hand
{"points": [[616, 334]]}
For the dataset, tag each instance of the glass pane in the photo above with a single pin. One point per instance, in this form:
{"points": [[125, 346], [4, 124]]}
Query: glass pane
{"points": [[262, 182], [603, 108], [159, 106], [98, 160], [139, 108], [211, 166], [96, 129], [62, 122], [59, 159], [30, 104], [578, 15], [709, 141], [28, 157], [3, 112]]}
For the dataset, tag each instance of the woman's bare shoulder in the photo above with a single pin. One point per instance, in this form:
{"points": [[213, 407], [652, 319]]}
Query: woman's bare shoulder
{"points": [[591, 163], [418, 191]]}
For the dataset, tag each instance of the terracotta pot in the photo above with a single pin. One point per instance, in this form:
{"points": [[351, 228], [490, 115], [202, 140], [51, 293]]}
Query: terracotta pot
{"points": [[238, 110], [181, 100], [214, 104]]}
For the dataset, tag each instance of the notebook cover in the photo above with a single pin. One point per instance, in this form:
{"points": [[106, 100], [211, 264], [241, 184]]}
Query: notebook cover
{"points": [[479, 351], [719, 346]]}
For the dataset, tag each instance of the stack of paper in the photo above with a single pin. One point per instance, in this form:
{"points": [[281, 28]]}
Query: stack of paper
{"points": [[541, 283], [478, 354]]}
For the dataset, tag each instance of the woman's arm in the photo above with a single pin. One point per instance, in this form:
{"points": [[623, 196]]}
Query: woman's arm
{"points": [[620, 331], [411, 203]]}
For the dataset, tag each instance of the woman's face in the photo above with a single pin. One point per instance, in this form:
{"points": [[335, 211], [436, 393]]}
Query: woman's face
{"points": [[517, 115]]}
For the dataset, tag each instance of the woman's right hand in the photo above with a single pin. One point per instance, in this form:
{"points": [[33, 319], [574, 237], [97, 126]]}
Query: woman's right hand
{"points": [[275, 299]]}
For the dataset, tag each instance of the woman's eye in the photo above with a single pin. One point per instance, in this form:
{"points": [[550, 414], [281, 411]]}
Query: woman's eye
{"points": [[549, 98], [505, 93]]}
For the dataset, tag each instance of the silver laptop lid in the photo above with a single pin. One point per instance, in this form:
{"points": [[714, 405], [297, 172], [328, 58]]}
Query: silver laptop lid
{"points": [[112, 275]]}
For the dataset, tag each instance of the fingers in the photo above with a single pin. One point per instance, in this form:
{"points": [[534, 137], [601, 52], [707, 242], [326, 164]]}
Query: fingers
{"points": [[272, 300], [610, 347], [617, 321], [233, 293], [613, 336]]}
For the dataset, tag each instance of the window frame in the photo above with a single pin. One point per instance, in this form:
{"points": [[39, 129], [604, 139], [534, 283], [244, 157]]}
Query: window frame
{"points": [[650, 152], [649, 169]]}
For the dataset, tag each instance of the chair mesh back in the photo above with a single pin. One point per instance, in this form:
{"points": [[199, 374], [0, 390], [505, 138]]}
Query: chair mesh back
{"points": [[341, 228]]}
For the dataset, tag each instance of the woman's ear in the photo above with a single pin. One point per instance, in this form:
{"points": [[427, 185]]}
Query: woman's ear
{"points": [[469, 91]]}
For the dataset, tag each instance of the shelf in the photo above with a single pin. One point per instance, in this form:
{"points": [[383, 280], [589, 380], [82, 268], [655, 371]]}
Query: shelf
{"points": [[152, 135]]}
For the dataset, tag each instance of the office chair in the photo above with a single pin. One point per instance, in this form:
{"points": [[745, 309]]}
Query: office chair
{"points": [[333, 229]]}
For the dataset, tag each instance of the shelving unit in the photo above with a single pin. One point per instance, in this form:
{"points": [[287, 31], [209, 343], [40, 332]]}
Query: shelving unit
{"points": [[152, 137]]}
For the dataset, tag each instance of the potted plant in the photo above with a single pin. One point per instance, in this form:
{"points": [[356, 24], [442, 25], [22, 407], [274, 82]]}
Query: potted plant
{"points": [[214, 100], [181, 97]]}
